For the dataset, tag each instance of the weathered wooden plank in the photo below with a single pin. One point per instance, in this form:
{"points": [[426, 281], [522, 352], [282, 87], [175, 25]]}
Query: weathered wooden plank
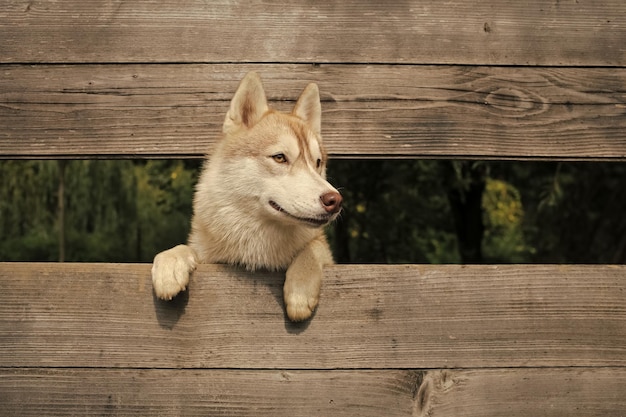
{"points": [[523, 392], [370, 316], [140, 392], [369, 111], [51, 392], [535, 32]]}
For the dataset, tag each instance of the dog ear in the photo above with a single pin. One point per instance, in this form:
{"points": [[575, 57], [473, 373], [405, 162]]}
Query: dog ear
{"points": [[309, 109], [248, 105]]}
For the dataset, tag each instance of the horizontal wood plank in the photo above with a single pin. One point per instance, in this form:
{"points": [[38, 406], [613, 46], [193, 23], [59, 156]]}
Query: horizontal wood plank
{"points": [[140, 392], [131, 111], [371, 316], [478, 80], [523, 392], [453, 32], [31, 392]]}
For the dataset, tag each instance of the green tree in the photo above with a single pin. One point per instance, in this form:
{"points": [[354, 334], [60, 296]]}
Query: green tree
{"points": [[117, 211], [28, 210], [164, 201], [396, 211], [503, 212]]}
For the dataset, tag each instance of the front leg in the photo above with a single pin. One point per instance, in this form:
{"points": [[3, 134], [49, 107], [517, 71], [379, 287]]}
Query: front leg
{"points": [[171, 269], [304, 279]]}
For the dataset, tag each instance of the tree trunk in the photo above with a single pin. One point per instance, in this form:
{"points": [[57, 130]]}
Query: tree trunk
{"points": [[61, 210], [465, 194]]}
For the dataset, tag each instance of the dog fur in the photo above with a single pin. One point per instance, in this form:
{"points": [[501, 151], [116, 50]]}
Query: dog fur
{"points": [[262, 200]]}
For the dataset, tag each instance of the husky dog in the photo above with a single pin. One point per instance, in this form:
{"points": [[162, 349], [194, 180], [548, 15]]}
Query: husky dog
{"points": [[262, 200]]}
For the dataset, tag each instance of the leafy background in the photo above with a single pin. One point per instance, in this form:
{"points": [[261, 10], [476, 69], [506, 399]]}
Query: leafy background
{"points": [[396, 211]]}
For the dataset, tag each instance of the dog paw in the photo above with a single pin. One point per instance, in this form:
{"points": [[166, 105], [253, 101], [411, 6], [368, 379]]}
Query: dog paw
{"points": [[300, 307], [170, 271]]}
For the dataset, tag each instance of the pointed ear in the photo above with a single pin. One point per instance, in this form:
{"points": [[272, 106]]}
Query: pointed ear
{"points": [[248, 105], [309, 109]]}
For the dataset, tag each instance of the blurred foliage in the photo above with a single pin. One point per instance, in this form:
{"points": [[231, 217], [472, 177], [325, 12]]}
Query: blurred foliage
{"points": [[395, 211], [504, 239], [115, 211]]}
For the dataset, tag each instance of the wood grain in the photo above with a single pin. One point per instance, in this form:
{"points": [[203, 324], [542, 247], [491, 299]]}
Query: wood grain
{"points": [[370, 316], [200, 392], [496, 32], [131, 111], [25, 392], [523, 392], [489, 79]]}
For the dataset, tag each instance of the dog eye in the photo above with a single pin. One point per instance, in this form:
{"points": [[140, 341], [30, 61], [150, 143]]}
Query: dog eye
{"points": [[319, 163], [280, 158]]}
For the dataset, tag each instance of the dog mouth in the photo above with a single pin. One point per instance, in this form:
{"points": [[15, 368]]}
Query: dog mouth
{"points": [[311, 221]]}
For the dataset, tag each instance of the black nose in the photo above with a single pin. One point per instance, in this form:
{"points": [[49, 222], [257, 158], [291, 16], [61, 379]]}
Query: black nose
{"points": [[331, 202]]}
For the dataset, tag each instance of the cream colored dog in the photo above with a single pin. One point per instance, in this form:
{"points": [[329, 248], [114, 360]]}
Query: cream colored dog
{"points": [[262, 200]]}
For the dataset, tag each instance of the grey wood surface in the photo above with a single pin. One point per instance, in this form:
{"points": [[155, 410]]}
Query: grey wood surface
{"points": [[128, 111], [535, 32], [533, 80], [370, 316], [201, 392]]}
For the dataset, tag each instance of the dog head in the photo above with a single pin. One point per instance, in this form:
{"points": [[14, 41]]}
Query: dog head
{"points": [[280, 155]]}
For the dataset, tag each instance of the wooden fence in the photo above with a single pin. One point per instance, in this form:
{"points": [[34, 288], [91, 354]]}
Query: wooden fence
{"points": [[536, 80]]}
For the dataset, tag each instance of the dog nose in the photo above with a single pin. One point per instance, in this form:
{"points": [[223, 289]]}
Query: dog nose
{"points": [[331, 202]]}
